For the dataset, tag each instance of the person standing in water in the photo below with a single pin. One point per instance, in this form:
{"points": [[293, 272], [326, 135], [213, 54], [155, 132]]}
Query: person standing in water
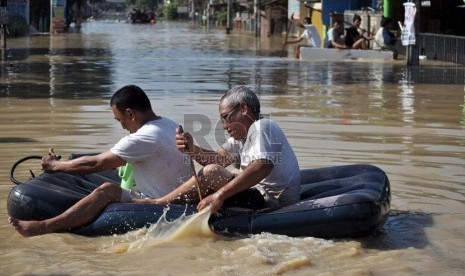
{"points": [[306, 35]]}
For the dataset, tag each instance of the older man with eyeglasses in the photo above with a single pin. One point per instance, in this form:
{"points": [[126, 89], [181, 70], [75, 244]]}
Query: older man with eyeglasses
{"points": [[268, 174]]}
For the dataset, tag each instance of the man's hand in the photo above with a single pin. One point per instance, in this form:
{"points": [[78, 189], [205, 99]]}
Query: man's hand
{"points": [[214, 200], [184, 141], [49, 161]]}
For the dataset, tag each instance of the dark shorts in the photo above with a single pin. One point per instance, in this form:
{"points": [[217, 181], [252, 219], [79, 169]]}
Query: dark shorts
{"points": [[251, 199]]}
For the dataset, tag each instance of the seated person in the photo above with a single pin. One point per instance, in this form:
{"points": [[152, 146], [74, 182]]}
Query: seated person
{"points": [[150, 147], [353, 38], [335, 36], [384, 39], [307, 35], [268, 174]]}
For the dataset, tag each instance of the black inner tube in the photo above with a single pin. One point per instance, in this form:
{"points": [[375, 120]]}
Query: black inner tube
{"points": [[12, 171]]}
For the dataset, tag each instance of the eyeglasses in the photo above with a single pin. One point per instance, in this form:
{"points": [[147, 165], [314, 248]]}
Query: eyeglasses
{"points": [[225, 117]]}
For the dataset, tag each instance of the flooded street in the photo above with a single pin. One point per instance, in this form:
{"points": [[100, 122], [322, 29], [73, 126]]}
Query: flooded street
{"points": [[54, 91]]}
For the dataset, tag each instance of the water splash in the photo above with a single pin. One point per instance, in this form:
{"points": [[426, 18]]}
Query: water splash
{"points": [[163, 232]]}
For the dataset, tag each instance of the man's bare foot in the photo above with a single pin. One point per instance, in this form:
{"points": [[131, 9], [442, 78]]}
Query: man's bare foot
{"points": [[28, 228]]}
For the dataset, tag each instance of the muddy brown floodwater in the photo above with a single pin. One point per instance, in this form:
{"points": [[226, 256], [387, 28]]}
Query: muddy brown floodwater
{"points": [[54, 91]]}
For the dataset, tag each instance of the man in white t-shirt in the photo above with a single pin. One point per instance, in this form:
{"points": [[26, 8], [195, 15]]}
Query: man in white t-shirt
{"points": [[151, 150], [384, 39], [335, 36], [268, 173], [306, 35], [159, 167]]}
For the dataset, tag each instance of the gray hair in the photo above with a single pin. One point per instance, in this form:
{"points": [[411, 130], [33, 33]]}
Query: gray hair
{"points": [[242, 93]]}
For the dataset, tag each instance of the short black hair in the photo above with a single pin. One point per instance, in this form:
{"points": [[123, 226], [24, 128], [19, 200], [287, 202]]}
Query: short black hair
{"points": [[357, 17], [131, 96], [385, 21]]}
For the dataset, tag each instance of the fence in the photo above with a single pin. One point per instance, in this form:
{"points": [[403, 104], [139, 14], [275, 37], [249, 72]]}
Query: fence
{"points": [[447, 48]]}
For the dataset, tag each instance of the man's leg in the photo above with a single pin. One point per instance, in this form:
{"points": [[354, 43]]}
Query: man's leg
{"points": [[81, 213], [211, 178], [297, 51], [360, 44], [185, 193]]}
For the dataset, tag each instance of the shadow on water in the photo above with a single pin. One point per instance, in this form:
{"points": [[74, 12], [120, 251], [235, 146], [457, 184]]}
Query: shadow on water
{"points": [[401, 230], [434, 75], [56, 73], [16, 140]]}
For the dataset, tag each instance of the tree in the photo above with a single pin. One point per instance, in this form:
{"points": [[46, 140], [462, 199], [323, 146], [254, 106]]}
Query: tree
{"points": [[77, 5], [147, 4], [170, 11], [144, 4]]}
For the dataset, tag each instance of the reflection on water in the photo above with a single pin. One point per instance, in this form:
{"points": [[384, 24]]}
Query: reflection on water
{"points": [[176, 58], [409, 121]]}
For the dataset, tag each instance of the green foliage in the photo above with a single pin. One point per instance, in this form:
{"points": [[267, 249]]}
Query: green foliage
{"points": [[147, 4], [222, 17], [143, 4], [17, 25], [170, 11]]}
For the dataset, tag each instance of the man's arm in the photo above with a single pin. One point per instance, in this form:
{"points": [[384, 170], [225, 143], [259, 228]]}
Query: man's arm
{"points": [[252, 175], [220, 157], [82, 165], [185, 143], [294, 41], [337, 45]]}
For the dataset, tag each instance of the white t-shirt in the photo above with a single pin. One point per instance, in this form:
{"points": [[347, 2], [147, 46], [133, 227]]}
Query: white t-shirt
{"points": [[334, 36], [331, 34], [379, 39], [266, 140], [158, 166], [307, 35]]}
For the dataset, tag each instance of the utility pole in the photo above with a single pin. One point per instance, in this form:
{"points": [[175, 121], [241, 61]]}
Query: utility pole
{"points": [[193, 12], [208, 14], [3, 23], [412, 48], [257, 18], [228, 18]]}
